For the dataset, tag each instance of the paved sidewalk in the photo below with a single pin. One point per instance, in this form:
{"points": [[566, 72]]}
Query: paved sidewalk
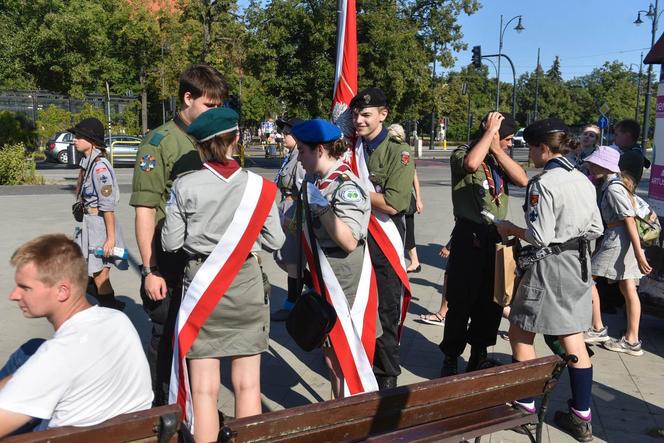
{"points": [[628, 399]]}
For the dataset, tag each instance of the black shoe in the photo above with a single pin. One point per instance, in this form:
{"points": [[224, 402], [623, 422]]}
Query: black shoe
{"points": [[109, 301], [476, 360], [578, 428], [280, 315], [386, 382], [450, 366]]}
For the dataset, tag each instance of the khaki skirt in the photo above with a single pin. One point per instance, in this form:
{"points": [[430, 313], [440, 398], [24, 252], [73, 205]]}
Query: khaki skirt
{"points": [[240, 323]]}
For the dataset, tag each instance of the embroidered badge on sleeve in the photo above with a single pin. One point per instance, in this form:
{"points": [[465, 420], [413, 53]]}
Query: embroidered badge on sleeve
{"points": [[405, 158], [148, 163]]}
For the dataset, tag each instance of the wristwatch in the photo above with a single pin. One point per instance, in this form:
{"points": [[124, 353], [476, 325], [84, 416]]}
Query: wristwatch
{"points": [[145, 270]]}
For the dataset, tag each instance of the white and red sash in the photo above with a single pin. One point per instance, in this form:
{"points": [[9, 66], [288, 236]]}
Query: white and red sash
{"points": [[384, 232], [216, 275], [354, 334]]}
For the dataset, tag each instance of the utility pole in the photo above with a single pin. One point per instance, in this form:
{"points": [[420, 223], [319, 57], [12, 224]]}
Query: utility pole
{"points": [[432, 135], [537, 74]]}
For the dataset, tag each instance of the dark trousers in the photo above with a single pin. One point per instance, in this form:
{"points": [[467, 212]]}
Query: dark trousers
{"points": [[386, 357], [163, 315], [470, 272]]}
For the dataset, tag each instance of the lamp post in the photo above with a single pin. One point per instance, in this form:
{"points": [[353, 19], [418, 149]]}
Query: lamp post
{"points": [[654, 17], [637, 109], [518, 28], [432, 134]]}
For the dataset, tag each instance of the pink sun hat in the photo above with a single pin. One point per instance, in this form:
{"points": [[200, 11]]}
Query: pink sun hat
{"points": [[606, 157]]}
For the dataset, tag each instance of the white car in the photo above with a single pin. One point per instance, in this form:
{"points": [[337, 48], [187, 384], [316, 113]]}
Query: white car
{"points": [[517, 140]]}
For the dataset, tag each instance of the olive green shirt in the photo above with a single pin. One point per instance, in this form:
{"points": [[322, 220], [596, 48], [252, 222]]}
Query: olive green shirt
{"points": [[163, 155], [391, 170], [470, 191]]}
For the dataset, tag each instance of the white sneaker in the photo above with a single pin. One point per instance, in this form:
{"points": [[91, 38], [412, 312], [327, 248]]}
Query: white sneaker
{"points": [[624, 346], [593, 336]]}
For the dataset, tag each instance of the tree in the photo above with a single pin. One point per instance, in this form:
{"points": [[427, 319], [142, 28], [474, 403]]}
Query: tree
{"points": [[554, 72]]}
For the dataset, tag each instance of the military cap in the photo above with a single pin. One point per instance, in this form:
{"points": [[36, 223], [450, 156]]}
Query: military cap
{"points": [[213, 122], [507, 127], [534, 133], [282, 123], [316, 131], [369, 98]]}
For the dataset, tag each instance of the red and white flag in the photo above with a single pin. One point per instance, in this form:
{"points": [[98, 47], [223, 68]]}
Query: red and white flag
{"points": [[213, 280], [345, 76]]}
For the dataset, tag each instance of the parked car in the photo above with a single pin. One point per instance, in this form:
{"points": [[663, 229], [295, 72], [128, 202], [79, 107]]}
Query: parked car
{"points": [[518, 141], [124, 147], [56, 147]]}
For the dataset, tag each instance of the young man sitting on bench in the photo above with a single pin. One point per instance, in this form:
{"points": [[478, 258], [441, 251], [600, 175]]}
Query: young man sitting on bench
{"points": [[92, 369]]}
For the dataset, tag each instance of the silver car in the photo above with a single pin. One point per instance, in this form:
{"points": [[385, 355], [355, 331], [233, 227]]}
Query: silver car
{"points": [[56, 147]]}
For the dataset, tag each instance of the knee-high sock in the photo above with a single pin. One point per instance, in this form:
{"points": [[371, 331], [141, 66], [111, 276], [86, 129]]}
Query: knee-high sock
{"points": [[581, 380]]}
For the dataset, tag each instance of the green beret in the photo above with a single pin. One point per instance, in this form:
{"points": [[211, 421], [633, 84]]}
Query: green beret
{"points": [[213, 122]]}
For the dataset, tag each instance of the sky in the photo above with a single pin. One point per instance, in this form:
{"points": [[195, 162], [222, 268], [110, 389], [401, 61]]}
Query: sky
{"points": [[584, 33]]}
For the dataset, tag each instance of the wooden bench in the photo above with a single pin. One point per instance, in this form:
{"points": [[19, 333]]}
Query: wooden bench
{"points": [[450, 409], [159, 424]]}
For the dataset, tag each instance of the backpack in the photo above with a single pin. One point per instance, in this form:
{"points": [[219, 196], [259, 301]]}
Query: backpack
{"points": [[647, 223]]}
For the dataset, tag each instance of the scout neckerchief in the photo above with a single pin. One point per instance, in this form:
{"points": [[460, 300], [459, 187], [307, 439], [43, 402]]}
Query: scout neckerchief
{"points": [[216, 274], [353, 336], [384, 232], [494, 179]]}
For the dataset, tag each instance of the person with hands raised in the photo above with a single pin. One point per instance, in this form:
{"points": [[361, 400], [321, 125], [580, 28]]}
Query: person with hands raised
{"points": [[481, 174], [553, 296]]}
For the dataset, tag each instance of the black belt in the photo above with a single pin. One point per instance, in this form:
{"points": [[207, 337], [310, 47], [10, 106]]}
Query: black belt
{"points": [[529, 255], [330, 250], [203, 257]]}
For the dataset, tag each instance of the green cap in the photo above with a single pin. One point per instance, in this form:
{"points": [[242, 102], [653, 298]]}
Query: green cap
{"points": [[213, 122]]}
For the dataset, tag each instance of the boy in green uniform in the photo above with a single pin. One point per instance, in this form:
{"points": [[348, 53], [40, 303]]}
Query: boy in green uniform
{"points": [[391, 171], [480, 173], [165, 154]]}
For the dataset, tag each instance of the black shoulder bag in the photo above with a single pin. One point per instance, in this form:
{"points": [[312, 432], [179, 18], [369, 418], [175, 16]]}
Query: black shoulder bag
{"points": [[312, 317], [78, 208]]}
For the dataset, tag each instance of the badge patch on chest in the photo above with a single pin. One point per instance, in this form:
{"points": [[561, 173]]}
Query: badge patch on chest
{"points": [[405, 158], [106, 190], [350, 195], [148, 163]]}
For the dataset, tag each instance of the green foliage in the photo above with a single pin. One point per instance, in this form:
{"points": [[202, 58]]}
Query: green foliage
{"points": [[16, 168], [52, 120], [16, 128]]}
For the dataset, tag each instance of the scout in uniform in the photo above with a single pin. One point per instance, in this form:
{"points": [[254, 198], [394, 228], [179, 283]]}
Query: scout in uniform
{"points": [[199, 213], [340, 210], [289, 179], [554, 293], [391, 169], [480, 176], [632, 160], [163, 155], [100, 195]]}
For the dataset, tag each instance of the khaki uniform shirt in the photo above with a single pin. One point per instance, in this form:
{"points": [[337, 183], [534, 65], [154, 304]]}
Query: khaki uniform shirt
{"points": [[290, 176], [349, 202], [391, 170], [200, 209], [471, 192], [561, 205], [163, 155]]}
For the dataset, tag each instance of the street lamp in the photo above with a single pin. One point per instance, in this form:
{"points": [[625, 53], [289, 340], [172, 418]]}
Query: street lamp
{"points": [[637, 110], [518, 28], [654, 17]]}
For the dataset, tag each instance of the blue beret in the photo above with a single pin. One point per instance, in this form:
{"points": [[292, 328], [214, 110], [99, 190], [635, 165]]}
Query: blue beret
{"points": [[213, 122], [316, 131]]}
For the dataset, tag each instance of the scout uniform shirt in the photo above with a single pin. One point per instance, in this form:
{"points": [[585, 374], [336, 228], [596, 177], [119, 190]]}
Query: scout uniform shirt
{"points": [[290, 176], [391, 169], [162, 156], [486, 188], [348, 201]]}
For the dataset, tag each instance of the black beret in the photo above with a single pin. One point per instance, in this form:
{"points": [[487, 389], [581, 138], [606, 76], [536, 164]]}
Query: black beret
{"points": [[534, 133], [369, 98], [507, 127], [281, 123]]}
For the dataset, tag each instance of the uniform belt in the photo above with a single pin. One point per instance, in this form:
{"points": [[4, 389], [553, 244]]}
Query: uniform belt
{"points": [[202, 257], [329, 250], [92, 211], [615, 224]]}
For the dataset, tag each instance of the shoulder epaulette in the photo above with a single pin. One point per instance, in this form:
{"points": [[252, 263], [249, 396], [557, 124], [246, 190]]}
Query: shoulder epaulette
{"points": [[156, 138]]}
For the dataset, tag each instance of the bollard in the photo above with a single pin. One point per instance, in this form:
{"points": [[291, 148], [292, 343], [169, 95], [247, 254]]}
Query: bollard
{"points": [[445, 145], [419, 148]]}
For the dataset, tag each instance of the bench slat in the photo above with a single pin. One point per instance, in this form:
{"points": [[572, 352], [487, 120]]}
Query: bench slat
{"points": [[459, 428], [356, 417], [136, 426]]}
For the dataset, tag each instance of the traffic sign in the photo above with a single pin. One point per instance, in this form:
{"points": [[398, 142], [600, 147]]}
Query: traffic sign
{"points": [[604, 109], [603, 121]]}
